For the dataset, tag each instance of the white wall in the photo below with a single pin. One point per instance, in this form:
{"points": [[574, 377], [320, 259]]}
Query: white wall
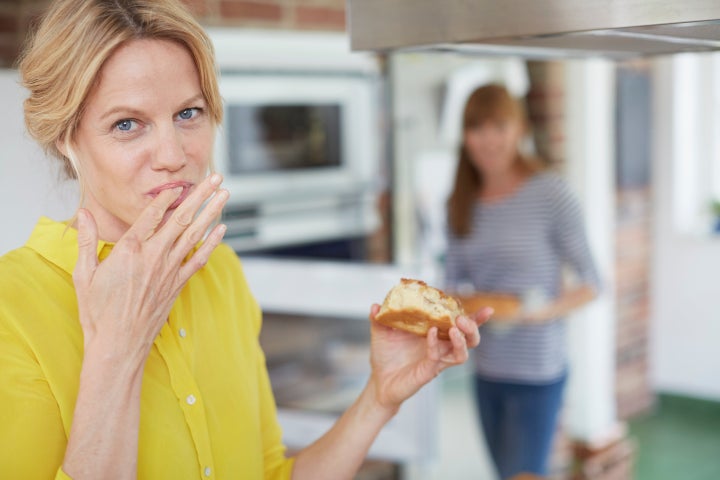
{"points": [[29, 183], [685, 329]]}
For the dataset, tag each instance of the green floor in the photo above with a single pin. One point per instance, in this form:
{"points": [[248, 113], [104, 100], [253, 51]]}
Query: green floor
{"points": [[680, 441]]}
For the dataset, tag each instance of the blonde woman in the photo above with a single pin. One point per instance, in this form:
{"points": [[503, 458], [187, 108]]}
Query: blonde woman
{"points": [[128, 346], [513, 228]]}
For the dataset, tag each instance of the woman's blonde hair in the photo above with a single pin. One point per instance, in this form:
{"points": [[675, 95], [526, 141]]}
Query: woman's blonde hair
{"points": [[62, 59], [487, 103]]}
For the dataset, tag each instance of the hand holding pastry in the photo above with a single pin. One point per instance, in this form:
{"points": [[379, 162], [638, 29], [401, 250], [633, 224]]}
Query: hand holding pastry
{"points": [[417, 333]]}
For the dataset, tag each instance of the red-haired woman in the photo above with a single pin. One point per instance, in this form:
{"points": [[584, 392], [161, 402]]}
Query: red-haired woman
{"points": [[513, 227]]}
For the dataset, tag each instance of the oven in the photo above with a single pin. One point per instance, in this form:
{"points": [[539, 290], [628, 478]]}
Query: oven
{"points": [[299, 146]]}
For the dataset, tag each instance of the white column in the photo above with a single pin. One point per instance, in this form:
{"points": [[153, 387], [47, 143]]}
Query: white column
{"points": [[590, 158]]}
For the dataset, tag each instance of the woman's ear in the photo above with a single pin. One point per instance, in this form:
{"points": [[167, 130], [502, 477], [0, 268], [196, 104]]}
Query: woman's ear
{"points": [[72, 168], [61, 145]]}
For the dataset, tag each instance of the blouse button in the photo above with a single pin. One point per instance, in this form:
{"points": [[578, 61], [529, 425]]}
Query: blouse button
{"points": [[190, 399], [207, 471], [182, 333]]}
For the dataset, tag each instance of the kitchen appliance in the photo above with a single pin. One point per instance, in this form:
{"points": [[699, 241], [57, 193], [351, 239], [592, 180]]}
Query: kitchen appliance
{"points": [[299, 145], [537, 28]]}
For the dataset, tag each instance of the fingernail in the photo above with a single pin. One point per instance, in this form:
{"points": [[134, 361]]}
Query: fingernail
{"points": [[215, 179]]}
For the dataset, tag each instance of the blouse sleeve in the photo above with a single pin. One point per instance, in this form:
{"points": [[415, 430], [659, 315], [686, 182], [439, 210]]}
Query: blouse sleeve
{"points": [[569, 235]]}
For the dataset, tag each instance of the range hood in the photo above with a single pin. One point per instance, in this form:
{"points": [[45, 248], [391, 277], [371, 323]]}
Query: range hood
{"points": [[537, 28]]}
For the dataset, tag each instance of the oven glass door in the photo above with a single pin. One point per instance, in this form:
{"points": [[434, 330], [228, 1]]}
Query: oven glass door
{"points": [[280, 137]]}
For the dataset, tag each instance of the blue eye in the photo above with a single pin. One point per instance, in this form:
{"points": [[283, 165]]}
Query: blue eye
{"points": [[187, 114], [125, 125]]}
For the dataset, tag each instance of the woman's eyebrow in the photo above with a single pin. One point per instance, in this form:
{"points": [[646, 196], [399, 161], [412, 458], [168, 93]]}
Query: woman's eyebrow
{"points": [[131, 111], [121, 109], [196, 98]]}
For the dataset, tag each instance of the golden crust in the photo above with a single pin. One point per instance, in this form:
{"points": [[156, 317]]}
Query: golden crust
{"points": [[430, 307]]}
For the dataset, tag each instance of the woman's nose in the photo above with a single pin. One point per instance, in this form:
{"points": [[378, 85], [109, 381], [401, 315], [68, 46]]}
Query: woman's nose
{"points": [[169, 153]]}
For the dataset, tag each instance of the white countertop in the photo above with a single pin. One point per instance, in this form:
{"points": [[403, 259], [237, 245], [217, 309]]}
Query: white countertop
{"points": [[326, 288]]}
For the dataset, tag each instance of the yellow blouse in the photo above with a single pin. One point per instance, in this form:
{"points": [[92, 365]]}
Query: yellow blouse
{"points": [[207, 410]]}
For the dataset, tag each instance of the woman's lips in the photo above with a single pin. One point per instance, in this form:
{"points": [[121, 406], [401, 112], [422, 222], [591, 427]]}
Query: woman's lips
{"points": [[183, 195]]}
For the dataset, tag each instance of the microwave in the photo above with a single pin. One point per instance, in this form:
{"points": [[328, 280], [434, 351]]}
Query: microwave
{"points": [[299, 149], [296, 135], [300, 157]]}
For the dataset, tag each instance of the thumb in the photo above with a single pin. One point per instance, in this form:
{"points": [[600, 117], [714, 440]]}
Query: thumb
{"points": [[87, 247], [374, 309]]}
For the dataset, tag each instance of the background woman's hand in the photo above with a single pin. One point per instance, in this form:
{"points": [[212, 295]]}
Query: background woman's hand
{"points": [[127, 298], [403, 362]]}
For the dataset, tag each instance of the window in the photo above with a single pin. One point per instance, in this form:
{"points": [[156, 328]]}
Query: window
{"points": [[695, 141]]}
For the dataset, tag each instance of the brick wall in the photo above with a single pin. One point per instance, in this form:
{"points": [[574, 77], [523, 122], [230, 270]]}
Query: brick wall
{"points": [[285, 14], [545, 105], [15, 18], [9, 32], [633, 238], [328, 15]]}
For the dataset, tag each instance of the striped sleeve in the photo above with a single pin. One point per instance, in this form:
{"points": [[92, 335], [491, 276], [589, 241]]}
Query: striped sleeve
{"points": [[569, 235], [455, 272]]}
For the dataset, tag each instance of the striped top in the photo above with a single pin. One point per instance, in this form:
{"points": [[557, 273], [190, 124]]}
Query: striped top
{"points": [[520, 245]]}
